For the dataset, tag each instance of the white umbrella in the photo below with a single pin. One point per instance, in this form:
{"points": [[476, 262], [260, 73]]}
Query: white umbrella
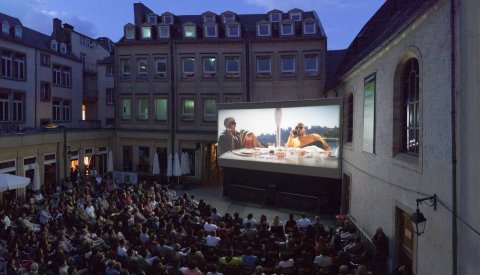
{"points": [[110, 161], [10, 182], [185, 163], [169, 165], [36, 177], [156, 165], [177, 169]]}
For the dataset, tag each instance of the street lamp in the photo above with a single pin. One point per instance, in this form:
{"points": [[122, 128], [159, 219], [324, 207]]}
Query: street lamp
{"points": [[418, 219]]}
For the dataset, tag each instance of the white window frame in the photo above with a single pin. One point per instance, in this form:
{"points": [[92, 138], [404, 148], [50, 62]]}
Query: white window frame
{"points": [[275, 14], [208, 27], [149, 30], [167, 19], [152, 19], [18, 31], [9, 169], [259, 29], [227, 18], [209, 116], [130, 32], [283, 29], [188, 116], [57, 109], [206, 72], [312, 72], [109, 96], [5, 27], [161, 115], [160, 74], [208, 18], [287, 72], [19, 66], [66, 77], [188, 73], [63, 48], [233, 27], [110, 70], [7, 65], [141, 73], [54, 45], [161, 31], [18, 106], [45, 91], [67, 110], [4, 104], [314, 27], [194, 35], [296, 16], [125, 73], [264, 73], [230, 73], [57, 75], [142, 113], [126, 109]]}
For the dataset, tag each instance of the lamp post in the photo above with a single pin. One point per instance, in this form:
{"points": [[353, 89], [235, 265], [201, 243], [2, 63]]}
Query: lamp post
{"points": [[418, 219]]}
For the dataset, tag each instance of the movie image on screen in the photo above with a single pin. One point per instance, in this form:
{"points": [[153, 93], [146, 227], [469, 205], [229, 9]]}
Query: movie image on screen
{"points": [[296, 137]]}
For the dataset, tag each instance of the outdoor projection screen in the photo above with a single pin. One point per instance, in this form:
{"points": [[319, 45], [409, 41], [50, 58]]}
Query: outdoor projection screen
{"points": [[259, 138]]}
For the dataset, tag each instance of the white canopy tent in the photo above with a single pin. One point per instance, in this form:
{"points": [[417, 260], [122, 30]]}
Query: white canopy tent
{"points": [[156, 165], [10, 182]]}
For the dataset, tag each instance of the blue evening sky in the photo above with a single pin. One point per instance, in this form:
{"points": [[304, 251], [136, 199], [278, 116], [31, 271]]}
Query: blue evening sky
{"points": [[341, 19]]}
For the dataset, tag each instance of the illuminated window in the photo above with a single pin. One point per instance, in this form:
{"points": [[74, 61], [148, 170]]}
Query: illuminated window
{"points": [[126, 108], [142, 68], [188, 109], [143, 109], [209, 67], [210, 109], [146, 32], [161, 109], [189, 31], [84, 111]]}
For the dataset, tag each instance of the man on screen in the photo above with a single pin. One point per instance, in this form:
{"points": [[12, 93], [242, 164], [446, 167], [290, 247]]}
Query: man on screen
{"points": [[303, 139], [231, 139]]}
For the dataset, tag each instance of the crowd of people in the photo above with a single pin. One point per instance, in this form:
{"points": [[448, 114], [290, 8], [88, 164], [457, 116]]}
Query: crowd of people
{"points": [[102, 227]]}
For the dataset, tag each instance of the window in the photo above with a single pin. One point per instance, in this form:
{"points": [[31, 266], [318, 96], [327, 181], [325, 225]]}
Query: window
{"points": [[309, 27], [233, 30], [4, 110], [126, 108], [208, 18], [66, 77], [349, 119], [168, 19], [161, 109], [17, 107], [164, 31], [210, 30], [296, 16], [6, 65], [264, 66], [263, 30], [311, 65], [227, 18], [57, 109], [63, 48], [130, 32], [152, 19], [54, 45], [142, 68], [83, 57], [18, 31], [287, 28], [143, 108], [110, 70], [146, 32], [189, 31], [275, 17], [288, 65], [209, 66], [127, 158], [210, 109], [188, 67], [45, 91], [160, 67], [125, 67], [411, 105], [109, 96], [143, 159], [45, 60], [5, 27], [232, 66], [67, 110], [57, 75], [188, 109], [82, 40]]}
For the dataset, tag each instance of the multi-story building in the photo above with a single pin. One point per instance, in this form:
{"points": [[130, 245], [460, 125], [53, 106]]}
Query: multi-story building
{"points": [[42, 90], [172, 70], [410, 84]]}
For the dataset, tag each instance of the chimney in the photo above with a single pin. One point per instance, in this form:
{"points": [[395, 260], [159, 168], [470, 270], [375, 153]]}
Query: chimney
{"points": [[57, 25], [140, 13]]}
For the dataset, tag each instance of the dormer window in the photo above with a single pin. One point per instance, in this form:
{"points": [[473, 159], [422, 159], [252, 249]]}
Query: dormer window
{"points": [[152, 19], [54, 45], [164, 31], [5, 27], [275, 17], [130, 32], [210, 30], [189, 31], [167, 19], [229, 17], [18, 31], [233, 30], [263, 29], [63, 48], [287, 28], [208, 18], [296, 16], [309, 27], [146, 32]]}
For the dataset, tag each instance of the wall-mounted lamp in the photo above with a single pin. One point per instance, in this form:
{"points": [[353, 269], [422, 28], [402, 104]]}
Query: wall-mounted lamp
{"points": [[418, 219]]}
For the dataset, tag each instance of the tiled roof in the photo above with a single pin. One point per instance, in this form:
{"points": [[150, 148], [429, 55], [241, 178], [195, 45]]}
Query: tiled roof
{"points": [[392, 16]]}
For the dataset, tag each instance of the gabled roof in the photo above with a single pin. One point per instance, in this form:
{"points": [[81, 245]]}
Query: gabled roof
{"points": [[392, 17]]}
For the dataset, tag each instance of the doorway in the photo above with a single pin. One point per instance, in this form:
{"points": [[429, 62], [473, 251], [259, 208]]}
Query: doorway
{"points": [[405, 240], [346, 191]]}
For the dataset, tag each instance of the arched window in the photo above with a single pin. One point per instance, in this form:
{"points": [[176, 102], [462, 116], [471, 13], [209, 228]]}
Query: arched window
{"points": [[410, 90], [349, 119]]}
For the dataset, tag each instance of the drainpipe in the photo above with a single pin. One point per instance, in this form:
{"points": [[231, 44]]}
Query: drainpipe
{"points": [[247, 70], [36, 91], [172, 97], [454, 136]]}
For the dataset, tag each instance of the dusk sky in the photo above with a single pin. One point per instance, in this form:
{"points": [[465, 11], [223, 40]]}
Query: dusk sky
{"points": [[341, 19]]}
